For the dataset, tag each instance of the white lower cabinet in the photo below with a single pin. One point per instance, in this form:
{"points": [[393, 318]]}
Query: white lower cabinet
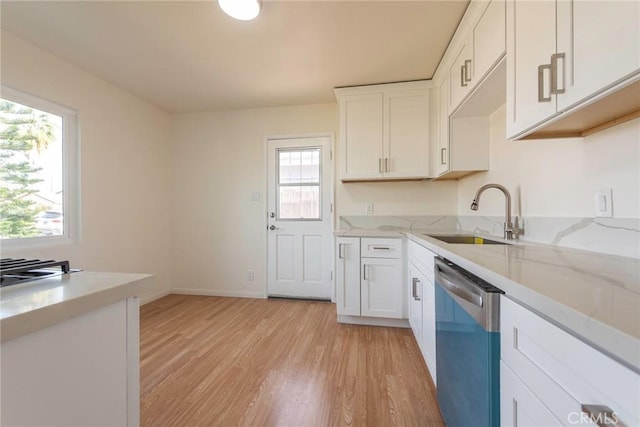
{"points": [[382, 288], [549, 377], [348, 275], [82, 371], [422, 308], [369, 280]]}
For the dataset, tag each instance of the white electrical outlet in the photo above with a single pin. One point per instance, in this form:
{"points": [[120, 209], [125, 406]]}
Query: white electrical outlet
{"points": [[369, 209], [603, 201], [250, 275]]}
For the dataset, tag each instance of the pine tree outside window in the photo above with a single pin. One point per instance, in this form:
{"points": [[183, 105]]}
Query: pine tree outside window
{"points": [[38, 172]]}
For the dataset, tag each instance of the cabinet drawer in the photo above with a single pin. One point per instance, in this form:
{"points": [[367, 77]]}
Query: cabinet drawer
{"points": [[422, 258], [563, 371], [381, 248]]}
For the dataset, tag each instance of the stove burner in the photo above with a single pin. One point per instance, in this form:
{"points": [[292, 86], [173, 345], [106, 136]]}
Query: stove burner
{"points": [[15, 271]]}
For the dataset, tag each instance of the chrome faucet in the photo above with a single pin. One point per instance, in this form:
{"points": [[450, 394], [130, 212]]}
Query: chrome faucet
{"points": [[511, 231]]}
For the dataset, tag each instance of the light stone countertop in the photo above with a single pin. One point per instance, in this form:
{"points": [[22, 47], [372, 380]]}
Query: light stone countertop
{"points": [[594, 296], [37, 304]]}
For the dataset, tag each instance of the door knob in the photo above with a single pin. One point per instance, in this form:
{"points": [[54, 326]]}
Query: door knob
{"points": [[273, 227]]}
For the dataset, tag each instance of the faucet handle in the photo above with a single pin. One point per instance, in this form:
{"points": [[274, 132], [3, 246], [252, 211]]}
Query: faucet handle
{"points": [[517, 231]]}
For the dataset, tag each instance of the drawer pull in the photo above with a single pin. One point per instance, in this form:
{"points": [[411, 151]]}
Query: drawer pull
{"points": [[602, 415], [340, 246], [381, 248]]}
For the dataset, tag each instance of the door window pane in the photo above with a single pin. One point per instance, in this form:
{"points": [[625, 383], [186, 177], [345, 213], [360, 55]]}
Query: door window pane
{"points": [[297, 167], [300, 202], [299, 184]]}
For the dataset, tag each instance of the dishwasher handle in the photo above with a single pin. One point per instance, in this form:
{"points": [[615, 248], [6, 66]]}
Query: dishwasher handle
{"points": [[448, 283]]}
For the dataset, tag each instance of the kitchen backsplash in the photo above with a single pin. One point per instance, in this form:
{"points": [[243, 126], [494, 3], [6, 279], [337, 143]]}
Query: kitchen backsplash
{"points": [[607, 235]]}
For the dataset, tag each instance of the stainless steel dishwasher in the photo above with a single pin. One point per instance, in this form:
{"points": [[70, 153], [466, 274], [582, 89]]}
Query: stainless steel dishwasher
{"points": [[467, 347]]}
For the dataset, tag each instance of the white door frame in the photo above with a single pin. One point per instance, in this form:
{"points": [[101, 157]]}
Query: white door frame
{"points": [[265, 205]]}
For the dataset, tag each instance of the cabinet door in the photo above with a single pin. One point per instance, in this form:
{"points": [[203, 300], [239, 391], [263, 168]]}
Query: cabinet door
{"points": [[415, 303], [361, 120], [382, 286], [442, 154], [520, 407], [460, 76], [600, 41], [406, 139], [531, 40], [348, 276], [488, 39]]}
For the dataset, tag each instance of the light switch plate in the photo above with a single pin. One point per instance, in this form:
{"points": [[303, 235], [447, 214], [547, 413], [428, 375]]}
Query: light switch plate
{"points": [[603, 201]]}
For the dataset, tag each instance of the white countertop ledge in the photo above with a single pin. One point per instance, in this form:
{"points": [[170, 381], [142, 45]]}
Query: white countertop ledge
{"points": [[38, 304], [594, 296]]}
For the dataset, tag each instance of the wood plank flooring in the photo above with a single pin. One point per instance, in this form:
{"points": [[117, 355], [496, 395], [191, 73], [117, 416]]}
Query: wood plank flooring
{"points": [[215, 361]]}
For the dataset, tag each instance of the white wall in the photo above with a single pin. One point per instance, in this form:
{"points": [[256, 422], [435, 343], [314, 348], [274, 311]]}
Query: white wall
{"points": [[218, 160], [124, 147], [559, 177]]}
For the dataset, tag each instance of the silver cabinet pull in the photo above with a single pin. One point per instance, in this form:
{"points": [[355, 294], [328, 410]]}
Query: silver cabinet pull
{"points": [[602, 415], [442, 156], [364, 272], [340, 245], [381, 248], [416, 295], [467, 70], [413, 287], [541, 97], [380, 165], [554, 73], [463, 82], [386, 164]]}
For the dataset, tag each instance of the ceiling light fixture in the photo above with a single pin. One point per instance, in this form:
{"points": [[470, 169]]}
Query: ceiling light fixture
{"points": [[244, 10]]}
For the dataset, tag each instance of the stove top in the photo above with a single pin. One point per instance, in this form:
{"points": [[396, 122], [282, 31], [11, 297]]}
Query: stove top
{"points": [[16, 271]]}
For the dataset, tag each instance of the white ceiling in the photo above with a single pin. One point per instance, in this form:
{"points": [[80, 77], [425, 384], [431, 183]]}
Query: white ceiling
{"points": [[189, 56]]}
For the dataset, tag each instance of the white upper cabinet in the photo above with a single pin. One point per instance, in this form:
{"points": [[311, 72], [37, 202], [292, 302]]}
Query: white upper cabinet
{"points": [[489, 39], [461, 75], [481, 49], [600, 41], [562, 54], [361, 135], [384, 131]]}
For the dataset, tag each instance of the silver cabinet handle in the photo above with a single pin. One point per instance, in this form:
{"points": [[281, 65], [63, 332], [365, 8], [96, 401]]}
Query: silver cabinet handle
{"points": [[413, 287], [381, 248], [467, 70], [386, 164], [554, 73], [380, 165], [602, 415], [364, 272], [541, 97], [340, 246], [415, 284], [463, 82], [442, 156]]}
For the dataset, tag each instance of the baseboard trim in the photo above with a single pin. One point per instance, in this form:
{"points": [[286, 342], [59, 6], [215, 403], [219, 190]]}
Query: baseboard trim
{"points": [[145, 299], [217, 293], [373, 321]]}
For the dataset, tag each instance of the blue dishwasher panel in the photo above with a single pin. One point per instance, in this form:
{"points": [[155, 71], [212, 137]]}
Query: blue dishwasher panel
{"points": [[468, 366]]}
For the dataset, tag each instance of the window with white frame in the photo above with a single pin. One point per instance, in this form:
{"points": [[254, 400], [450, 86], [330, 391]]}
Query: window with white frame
{"points": [[299, 184], [38, 171]]}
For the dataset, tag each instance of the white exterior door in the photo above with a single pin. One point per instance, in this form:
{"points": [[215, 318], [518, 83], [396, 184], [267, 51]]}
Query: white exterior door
{"points": [[299, 218]]}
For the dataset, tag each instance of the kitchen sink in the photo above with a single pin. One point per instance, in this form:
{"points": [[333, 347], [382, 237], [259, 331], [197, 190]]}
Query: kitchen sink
{"points": [[465, 239]]}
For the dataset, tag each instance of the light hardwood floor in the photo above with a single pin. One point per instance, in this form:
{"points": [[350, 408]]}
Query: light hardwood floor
{"points": [[228, 361]]}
